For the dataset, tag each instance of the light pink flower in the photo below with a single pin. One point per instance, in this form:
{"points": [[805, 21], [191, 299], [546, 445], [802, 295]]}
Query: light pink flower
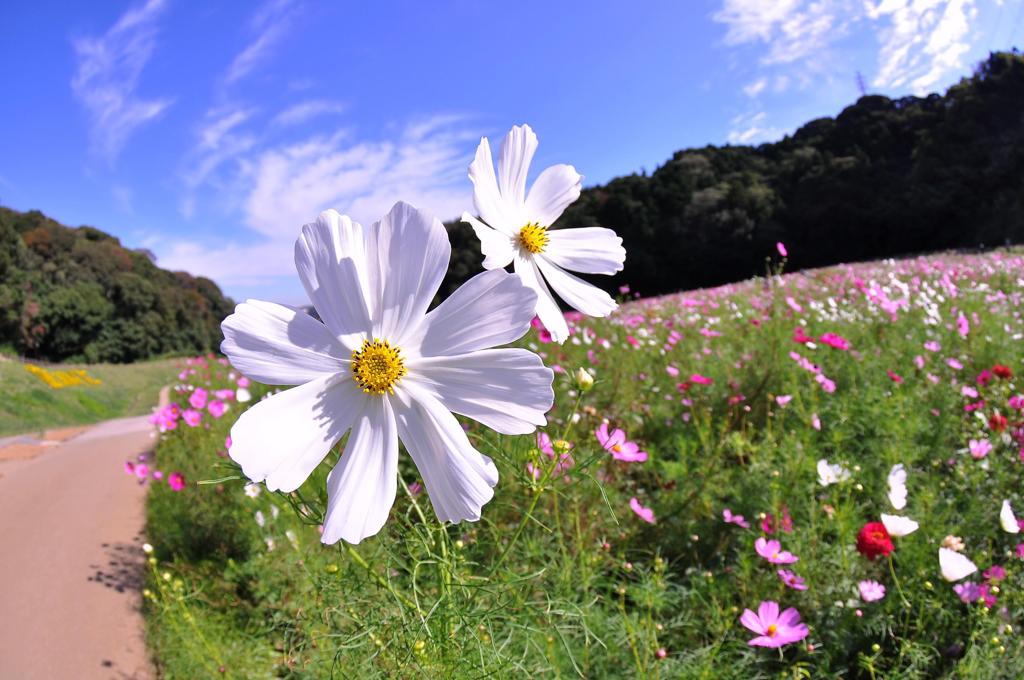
{"points": [[792, 580], [192, 417], [962, 327], [815, 421], [773, 552], [781, 247], [783, 399], [870, 591], [198, 398], [932, 346], [616, 444], [773, 629], [646, 514], [243, 381], [672, 371], [738, 520], [979, 448]]}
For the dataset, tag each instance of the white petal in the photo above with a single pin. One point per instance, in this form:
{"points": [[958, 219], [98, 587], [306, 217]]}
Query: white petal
{"points": [[486, 196], [552, 192], [955, 566], [591, 250], [1007, 520], [508, 390], [361, 487], [330, 257], [459, 479], [547, 309], [897, 481], [277, 345], [580, 295], [283, 438], [514, 164], [408, 253], [898, 526], [498, 248], [492, 308]]}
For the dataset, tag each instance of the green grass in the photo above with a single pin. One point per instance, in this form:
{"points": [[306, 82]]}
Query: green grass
{"points": [[29, 405], [590, 590]]}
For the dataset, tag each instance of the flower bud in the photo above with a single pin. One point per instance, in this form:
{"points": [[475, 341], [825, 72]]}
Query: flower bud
{"points": [[584, 381]]}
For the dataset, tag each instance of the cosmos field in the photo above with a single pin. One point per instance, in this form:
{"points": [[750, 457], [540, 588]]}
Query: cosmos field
{"points": [[802, 475]]}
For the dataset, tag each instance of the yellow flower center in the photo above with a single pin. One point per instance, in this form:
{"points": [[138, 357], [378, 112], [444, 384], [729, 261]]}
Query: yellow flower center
{"points": [[377, 366], [533, 238], [772, 630], [617, 448]]}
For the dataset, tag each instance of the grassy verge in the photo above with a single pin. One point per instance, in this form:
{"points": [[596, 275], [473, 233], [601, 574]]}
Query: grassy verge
{"points": [[30, 405], [736, 394]]}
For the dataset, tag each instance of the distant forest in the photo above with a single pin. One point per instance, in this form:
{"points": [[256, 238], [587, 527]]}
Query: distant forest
{"points": [[886, 177], [77, 293]]}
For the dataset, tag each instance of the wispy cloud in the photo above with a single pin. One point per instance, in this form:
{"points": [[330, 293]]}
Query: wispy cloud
{"points": [[752, 128], [303, 111], [924, 41], [109, 67], [219, 140], [270, 24], [285, 185]]}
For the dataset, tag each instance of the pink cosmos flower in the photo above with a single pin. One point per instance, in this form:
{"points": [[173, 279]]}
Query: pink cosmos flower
{"points": [[793, 304], [616, 444], [783, 399], [792, 580], [781, 247], [962, 327], [217, 408], [835, 341], [954, 364], [224, 395], [565, 461], [870, 591], [773, 552], [192, 417], [243, 381], [176, 481], [815, 421], [800, 336], [129, 467], [699, 379], [932, 346], [227, 442], [672, 371], [773, 629], [142, 471], [198, 398], [979, 448], [646, 514], [738, 520], [158, 474]]}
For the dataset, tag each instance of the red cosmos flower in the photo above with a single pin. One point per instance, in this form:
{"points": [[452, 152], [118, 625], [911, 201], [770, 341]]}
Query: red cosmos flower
{"points": [[997, 422], [873, 540], [799, 335], [984, 378], [1003, 372]]}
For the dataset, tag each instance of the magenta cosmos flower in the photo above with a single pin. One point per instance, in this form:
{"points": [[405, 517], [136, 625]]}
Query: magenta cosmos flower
{"points": [[616, 444], [773, 629], [773, 552]]}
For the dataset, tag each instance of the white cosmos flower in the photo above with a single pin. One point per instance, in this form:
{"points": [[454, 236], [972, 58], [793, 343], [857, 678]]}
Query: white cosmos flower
{"points": [[899, 526], [382, 366], [516, 228], [898, 487], [1007, 520], [829, 474], [955, 566]]}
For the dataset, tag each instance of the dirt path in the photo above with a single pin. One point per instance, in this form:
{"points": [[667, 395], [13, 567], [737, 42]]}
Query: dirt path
{"points": [[71, 560]]}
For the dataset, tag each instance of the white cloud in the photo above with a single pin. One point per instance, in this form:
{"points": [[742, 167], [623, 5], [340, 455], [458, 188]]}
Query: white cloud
{"points": [[219, 141], [752, 128], [270, 24], [303, 111], [108, 73], [286, 185], [755, 88], [925, 41]]}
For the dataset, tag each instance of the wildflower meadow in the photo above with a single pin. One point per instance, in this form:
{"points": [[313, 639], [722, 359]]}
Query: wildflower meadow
{"points": [[809, 474]]}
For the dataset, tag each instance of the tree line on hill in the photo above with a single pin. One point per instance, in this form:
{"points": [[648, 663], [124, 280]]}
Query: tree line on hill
{"points": [[78, 294], [886, 177]]}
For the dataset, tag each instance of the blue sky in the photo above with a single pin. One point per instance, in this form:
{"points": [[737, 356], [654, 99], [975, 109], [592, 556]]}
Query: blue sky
{"points": [[210, 134]]}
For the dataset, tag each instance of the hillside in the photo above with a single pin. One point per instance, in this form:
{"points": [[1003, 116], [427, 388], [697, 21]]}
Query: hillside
{"points": [[77, 293], [886, 177]]}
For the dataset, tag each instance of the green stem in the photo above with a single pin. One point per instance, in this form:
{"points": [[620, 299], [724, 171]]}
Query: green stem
{"points": [[381, 581], [892, 572]]}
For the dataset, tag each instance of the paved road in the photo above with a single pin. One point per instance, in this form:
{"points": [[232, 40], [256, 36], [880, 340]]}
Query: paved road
{"points": [[71, 561]]}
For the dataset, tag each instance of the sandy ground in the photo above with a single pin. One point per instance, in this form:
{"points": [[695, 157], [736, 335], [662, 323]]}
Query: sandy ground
{"points": [[71, 560]]}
